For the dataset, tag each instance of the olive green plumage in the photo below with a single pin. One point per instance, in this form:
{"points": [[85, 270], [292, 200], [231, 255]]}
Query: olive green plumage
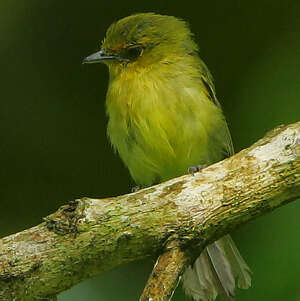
{"points": [[164, 118]]}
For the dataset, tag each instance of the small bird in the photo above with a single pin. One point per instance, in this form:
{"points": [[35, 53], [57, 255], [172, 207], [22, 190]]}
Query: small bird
{"points": [[165, 119]]}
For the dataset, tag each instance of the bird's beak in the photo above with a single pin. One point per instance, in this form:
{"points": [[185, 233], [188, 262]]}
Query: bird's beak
{"points": [[99, 57]]}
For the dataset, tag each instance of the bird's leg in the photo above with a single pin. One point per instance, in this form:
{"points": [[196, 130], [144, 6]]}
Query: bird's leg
{"points": [[196, 168], [137, 188]]}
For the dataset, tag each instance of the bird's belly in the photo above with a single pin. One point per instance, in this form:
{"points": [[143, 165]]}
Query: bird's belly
{"points": [[157, 151], [160, 133]]}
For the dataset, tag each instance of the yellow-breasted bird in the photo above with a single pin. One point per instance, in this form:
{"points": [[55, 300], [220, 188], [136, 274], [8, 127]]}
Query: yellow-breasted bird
{"points": [[164, 118]]}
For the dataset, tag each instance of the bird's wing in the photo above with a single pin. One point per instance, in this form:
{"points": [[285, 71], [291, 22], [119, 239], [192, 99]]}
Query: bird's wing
{"points": [[209, 89]]}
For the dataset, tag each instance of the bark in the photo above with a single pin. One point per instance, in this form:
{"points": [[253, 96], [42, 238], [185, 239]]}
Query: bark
{"points": [[89, 236]]}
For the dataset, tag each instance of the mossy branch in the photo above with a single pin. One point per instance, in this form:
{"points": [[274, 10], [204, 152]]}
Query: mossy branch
{"points": [[90, 236]]}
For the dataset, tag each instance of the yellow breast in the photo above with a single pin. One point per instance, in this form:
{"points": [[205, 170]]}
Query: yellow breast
{"points": [[161, 125]]}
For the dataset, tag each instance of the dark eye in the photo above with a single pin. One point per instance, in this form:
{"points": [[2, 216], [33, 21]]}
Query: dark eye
{"points": [[132, 53]]}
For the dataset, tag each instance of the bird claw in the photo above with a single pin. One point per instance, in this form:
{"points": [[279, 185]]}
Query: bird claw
{"points": [[196, 168], [136, 188]]}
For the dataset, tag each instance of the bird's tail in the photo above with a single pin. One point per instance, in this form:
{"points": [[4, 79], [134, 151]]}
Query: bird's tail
{"points": [[218, 270]]}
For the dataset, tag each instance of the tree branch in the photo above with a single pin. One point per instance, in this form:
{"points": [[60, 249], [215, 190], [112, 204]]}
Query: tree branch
{"points": [[89, 236], [166, 273]]}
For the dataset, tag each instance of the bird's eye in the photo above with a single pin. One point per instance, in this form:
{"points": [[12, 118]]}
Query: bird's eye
{"points": [[132, 53]]}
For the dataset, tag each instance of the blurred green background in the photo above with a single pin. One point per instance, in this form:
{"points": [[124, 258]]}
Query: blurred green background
{"points": [[53, 146]]}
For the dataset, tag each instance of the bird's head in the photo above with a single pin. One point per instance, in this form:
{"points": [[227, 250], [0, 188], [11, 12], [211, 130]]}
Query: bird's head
{"points": [[143, 40]]}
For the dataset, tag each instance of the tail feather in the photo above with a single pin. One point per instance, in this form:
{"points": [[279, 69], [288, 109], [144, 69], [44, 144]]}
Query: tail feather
{"points": [[215, 272], [196, 286], [239, 267], [205, 272], [224, 278]]}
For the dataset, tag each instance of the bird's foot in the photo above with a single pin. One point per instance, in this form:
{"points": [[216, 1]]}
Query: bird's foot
{"points": [[196, 168], [136, 188]]}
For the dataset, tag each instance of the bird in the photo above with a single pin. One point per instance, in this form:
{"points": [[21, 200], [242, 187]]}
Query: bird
{"points": [[165, 120]]}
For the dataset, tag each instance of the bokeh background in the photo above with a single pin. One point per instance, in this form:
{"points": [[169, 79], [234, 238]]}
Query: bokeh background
{"points": [[53, 146]]}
